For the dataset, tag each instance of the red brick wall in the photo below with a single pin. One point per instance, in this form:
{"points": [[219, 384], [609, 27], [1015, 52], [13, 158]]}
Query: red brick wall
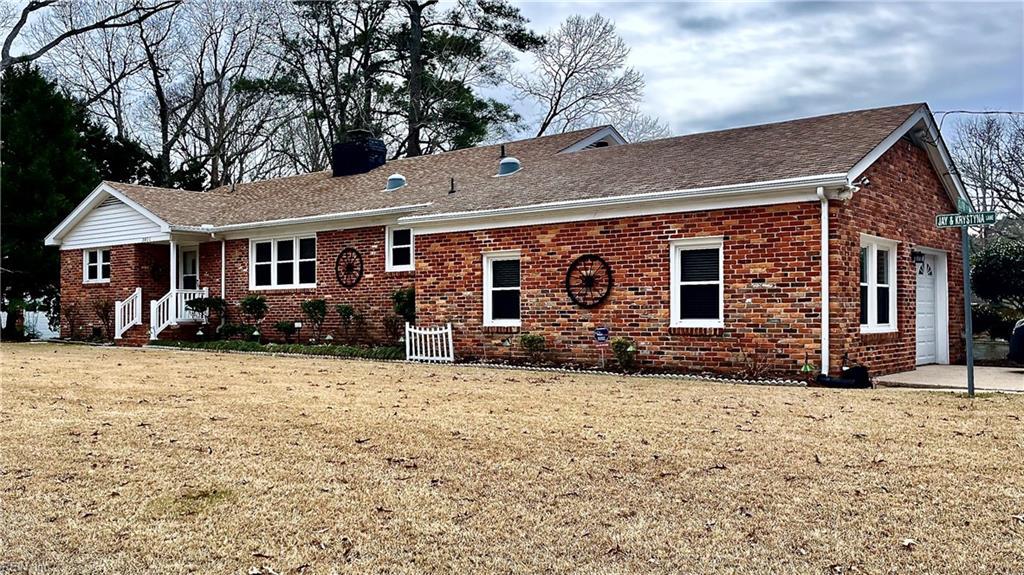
{"points": [[900, 203], [131, 266], [771, 274], [370, 297]]}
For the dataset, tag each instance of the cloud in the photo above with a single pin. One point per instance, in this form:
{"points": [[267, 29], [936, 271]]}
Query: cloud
{"points": [[718, 65]]}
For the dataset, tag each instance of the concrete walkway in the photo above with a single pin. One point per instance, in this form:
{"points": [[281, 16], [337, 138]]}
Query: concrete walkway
{"points": [[954, 377]]}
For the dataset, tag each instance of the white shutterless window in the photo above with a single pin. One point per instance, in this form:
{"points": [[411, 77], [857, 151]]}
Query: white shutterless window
{"points": [[282, 263], [96, 266], [399, 250], [697, 282], [877, 284], [502, 289]]}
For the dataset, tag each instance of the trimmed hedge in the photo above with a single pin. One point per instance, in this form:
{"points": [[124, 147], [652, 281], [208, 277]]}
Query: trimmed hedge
{"points": [[383, 352]]}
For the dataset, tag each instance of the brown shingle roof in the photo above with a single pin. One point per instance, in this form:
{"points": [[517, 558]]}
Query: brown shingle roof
{"points": [[799, 148]]}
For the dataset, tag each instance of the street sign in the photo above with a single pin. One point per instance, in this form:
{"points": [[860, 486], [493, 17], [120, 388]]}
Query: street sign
{"points": [[965, 218], [968, 219], [601, 335]]}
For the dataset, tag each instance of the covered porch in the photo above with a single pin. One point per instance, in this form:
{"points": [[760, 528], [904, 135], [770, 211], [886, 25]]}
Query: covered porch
{"points": [[163, 289]]}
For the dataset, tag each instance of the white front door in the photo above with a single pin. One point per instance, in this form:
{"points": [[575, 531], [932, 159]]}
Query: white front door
{"points": [[926, 311], [189, 269]]}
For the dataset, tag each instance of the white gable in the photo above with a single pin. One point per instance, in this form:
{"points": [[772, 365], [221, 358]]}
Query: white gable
{"points": [[107, 218]]}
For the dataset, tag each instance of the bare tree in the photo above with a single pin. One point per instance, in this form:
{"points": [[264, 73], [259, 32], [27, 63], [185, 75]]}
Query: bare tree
{"points": [[989, 154], [636, 126], [98, 68], [91, 20], [580, 74]]}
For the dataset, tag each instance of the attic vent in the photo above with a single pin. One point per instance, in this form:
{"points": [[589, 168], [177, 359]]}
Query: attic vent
{"points": [[508, 166], [111, 201], [395, 181]]}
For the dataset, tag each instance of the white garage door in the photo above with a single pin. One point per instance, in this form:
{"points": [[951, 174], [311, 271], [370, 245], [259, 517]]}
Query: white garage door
{"points": [[926, 320]]}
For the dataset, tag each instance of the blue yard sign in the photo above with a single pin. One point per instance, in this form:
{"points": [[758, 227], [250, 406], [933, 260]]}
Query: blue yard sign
{"points": [[601, 335]]}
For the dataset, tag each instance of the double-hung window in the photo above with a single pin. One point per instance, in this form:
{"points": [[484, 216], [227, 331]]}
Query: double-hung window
{"points": [[96, 266], [283, 263], [501, 289], [877, 285], [399, 250], [697, 283]]}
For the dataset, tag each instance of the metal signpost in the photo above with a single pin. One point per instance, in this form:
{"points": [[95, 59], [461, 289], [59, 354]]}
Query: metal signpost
{"points": [[963, 220]]}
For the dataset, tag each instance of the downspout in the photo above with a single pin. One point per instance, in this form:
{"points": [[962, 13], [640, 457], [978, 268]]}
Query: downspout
{"points": [[824, 282], [223, 294]]}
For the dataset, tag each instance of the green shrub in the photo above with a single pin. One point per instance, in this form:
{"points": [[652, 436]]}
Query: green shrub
{"points": [[625, 350], [345, 314], [534, 345], [996, 321], [254, 307], [997, 273], [287, 328], [404, 303], [315, 311], [382, 352], [213, 304], [233, 330]]}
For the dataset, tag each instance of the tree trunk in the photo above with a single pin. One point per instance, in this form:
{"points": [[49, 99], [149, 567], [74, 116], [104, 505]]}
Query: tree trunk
{"points": [[414, 118]]}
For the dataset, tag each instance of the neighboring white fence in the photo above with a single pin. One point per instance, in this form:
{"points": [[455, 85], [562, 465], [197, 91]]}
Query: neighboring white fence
{"points": [[429, 343], [37, 325], [127, 313]]}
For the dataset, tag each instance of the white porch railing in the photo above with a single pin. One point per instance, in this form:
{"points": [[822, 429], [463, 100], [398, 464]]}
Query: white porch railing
{"points": [[171, 310], [127, 313], [429, 343]]}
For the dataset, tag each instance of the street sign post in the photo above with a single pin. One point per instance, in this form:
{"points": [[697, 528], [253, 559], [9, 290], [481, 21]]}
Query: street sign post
{"points": [[963, 219]]}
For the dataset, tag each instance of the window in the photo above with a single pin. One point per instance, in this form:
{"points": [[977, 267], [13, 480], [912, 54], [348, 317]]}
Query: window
{"points": [[697, 283], [96, 266], [283, 263], [877, 285], [501, 289], [399, 250]]}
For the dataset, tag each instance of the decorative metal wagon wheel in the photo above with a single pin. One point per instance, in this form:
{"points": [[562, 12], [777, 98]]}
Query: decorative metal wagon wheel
{"points": [[588, 281], [349, 267]]}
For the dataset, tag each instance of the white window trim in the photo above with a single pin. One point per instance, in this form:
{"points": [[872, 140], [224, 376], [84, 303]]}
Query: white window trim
{"points": [[390, 267], [677, 246], [99, 266], [273, 263], [488, 259], [873, 243]]}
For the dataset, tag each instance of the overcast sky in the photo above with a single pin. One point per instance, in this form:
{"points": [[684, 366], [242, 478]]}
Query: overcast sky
{"points": [[719, 65]]}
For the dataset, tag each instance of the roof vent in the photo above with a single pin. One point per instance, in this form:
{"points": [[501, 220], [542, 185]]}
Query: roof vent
{"points": [[395, 181], [508, 166]]}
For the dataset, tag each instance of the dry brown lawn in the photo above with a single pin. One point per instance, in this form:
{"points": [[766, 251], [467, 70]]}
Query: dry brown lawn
{"points": [[147, 461]]}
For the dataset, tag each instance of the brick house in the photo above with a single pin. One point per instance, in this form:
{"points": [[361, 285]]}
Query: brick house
{"points": [[709, 250]]}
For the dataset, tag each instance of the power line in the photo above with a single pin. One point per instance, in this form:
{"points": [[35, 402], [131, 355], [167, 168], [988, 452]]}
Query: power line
{"points": [[944, 113]]}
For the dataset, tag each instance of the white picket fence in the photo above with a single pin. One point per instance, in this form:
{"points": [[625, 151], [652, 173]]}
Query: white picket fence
{"points": [[429, 343], [127, 313]]}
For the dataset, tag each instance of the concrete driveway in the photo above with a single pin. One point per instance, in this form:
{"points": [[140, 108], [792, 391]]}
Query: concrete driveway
{"points": [[954, 377]]}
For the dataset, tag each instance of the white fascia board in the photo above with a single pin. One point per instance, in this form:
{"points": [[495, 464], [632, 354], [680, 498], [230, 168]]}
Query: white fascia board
{"points": [[94, 199], [699, 204], [321, 218], [750, 192], [605, 132], [936, 150]]}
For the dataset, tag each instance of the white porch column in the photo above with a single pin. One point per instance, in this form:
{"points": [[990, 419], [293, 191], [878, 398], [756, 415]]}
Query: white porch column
{"points": [[172, 305]]}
